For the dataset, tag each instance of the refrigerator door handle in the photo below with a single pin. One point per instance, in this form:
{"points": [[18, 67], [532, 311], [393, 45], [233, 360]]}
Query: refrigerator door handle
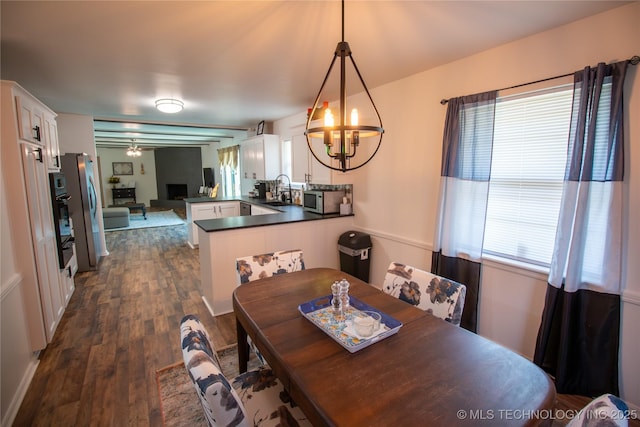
{"points": [[92, 198]]}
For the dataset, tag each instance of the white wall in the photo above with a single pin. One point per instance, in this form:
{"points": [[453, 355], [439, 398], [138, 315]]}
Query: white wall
{"points": [[396, 194], [145, 183]]}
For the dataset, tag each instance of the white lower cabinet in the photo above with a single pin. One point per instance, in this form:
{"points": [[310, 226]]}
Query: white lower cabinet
{"points": [[227, 209], [207, 210], [67, 285]]}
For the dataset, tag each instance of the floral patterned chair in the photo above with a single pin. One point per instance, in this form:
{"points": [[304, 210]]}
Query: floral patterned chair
{"points": [[606, 411], [256, 267], [441, 297], [254, 398]]}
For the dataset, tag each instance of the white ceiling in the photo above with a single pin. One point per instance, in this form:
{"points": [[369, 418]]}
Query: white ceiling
{"points": [[235, 63]]}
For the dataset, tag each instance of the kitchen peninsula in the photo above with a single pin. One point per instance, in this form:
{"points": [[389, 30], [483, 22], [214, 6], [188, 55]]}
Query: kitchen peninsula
{"points": [[223, 239]]}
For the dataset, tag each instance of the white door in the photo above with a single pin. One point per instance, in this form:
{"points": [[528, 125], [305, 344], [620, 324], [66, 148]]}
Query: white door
{"points": [[43, 235]]}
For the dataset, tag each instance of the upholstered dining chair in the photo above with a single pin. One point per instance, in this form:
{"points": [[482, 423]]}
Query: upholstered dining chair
{"points": [[256, 267], [254, 398], [441, 297], [606, 410]]}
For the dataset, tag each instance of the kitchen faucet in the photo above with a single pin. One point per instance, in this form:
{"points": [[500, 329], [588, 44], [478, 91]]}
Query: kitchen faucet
{"points": [[289, 179]]}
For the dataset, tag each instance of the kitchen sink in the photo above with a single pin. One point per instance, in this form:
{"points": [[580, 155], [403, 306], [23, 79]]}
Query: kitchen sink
{"points": [[277, 203]]}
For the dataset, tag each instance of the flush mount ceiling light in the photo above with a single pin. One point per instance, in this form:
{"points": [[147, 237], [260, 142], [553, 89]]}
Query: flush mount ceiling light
{"points": [[169, 105], [341, 140]]}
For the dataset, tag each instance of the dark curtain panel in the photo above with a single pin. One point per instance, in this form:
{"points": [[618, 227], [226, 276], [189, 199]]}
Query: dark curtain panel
{"points": [[462, 271], [578, 339], [466, 167]]}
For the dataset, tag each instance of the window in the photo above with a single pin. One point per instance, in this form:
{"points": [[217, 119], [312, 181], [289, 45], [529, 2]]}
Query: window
{"points": [[230, 181], [285, 150], [228, 161], [531, 133]]}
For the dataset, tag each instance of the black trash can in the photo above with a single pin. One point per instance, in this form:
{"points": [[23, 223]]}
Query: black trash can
{"points": [[355, 254]]}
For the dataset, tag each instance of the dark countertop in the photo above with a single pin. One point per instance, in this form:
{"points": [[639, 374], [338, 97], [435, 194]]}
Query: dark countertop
{"points": [[287, 214]]}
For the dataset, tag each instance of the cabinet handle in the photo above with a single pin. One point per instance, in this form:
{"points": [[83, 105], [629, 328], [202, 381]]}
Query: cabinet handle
{"points": [[69, 270], [36, 129], [57, 161], [38, 152]]}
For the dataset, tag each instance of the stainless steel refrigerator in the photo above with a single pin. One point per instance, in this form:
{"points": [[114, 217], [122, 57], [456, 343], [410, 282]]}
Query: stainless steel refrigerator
{"points": [[83, 208]]}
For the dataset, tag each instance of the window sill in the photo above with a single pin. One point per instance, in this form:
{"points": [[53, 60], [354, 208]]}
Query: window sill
{"points": [[516, 267]]}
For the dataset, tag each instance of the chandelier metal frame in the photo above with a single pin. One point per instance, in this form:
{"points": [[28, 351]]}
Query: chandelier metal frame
{"points": [[346, 137]]}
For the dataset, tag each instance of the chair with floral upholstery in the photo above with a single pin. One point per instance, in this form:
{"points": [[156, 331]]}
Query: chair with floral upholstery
{"points": [[254, 398], [606, 410], [256, 267], [441, 297]]}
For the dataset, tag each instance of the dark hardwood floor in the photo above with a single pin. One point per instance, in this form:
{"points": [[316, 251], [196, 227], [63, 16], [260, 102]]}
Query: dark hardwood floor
{"points": [[120, 326]]}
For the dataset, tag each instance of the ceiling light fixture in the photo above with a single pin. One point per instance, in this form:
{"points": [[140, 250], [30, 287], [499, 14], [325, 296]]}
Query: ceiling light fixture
{"points": [[342, 140], [133, 150], [169, 105]]}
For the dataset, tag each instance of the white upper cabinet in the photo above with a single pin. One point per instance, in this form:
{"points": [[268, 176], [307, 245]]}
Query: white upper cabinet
{"points": [[260, 157], [51, 143], [38, 125], [305, 167], [30, 118]]}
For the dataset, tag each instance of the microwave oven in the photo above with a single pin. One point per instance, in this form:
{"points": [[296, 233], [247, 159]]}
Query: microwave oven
{"points": [[322, 201]]}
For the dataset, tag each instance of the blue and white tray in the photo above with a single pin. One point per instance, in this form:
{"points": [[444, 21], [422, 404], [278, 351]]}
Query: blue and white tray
{"points": [[320, 312]]}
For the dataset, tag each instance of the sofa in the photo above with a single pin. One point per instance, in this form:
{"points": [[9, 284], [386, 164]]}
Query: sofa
{"points": [[115, 217]]}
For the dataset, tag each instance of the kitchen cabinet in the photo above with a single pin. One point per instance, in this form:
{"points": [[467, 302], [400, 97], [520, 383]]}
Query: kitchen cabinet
{"points": [[37, 124], [67, 284], [52, 146], [260, 157], [227, 209], [31, 233], [259, 210], [305, 167], [30, 119], [207, 210]]}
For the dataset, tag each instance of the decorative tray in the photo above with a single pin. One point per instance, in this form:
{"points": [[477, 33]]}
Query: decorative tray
{"points": [[320, 312]]}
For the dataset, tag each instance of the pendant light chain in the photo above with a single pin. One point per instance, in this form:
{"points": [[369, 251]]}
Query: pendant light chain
{"points": [[343, 21]]}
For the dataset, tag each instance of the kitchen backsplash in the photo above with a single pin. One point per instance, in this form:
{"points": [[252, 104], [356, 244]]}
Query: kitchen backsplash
{"points": [[348, 189]]}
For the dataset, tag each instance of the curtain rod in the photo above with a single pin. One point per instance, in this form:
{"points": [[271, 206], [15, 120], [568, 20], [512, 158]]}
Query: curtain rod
{"points": [[634, 60]]}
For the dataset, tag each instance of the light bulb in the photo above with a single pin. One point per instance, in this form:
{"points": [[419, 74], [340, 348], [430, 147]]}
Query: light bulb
{"points": [[354, 117], [328, 118]]}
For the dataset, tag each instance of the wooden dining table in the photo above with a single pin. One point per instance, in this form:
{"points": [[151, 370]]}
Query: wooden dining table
{"points": [[430, 373]]}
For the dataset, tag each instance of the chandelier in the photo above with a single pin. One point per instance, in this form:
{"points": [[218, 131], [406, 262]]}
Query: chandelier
{"points": [[133, 150], [344, 145]]}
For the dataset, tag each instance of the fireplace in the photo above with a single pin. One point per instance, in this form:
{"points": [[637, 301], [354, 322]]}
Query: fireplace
{"points": [[176, 191]]}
